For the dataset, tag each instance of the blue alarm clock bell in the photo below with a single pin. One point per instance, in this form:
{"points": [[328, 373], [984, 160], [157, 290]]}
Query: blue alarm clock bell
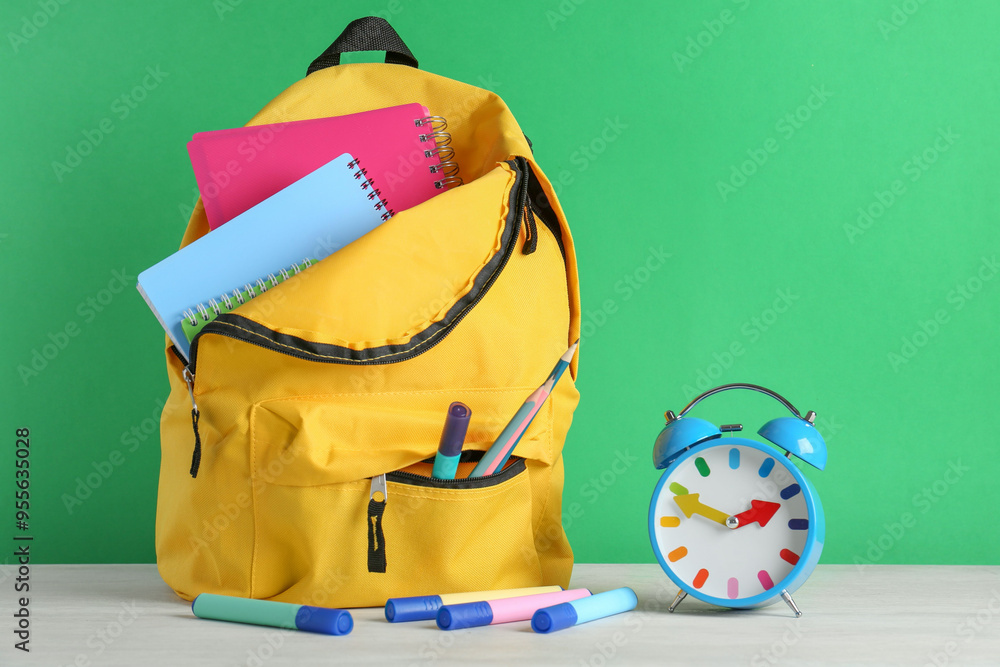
{"points": [[733, 522]]}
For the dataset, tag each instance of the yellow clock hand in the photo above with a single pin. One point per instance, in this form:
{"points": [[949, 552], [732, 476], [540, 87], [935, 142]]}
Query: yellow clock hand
{"points": [[690, 505]]}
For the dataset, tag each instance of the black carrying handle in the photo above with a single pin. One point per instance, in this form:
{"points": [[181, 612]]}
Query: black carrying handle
{"points": [[371, 33]]}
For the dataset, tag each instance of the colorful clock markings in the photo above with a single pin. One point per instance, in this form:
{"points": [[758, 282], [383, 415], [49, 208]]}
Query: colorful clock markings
{"points": [[702, 467], [733, 588], [677, 489], [670, 521], [700, 578], [765, 580], [798, 524], [789, 556], [677, 554], [766, 467], [790, 491], [734, 458]]}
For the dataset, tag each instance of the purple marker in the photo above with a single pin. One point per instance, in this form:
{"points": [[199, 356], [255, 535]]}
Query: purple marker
{"points": [[452, 440]]}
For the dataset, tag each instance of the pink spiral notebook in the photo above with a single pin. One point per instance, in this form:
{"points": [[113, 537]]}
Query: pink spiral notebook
{"points": [[404, 149]]}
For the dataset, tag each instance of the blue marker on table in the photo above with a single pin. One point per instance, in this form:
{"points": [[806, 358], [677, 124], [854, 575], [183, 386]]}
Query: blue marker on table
{"points": [[275, 614], [452, 440], [425, 607], [584, 610]]}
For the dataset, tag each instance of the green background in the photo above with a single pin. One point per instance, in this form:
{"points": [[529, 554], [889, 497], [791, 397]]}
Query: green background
{"points": [[887, 327]]}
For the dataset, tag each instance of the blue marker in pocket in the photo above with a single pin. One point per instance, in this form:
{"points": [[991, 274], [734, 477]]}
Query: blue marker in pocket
{"points": [[452, 440]]}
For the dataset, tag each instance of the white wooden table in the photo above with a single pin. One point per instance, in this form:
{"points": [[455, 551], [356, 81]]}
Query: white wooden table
{"points": [[883, 615]]}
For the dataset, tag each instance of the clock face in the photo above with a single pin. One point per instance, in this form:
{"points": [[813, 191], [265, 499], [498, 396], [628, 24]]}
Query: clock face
{"points": [[694, 507]]}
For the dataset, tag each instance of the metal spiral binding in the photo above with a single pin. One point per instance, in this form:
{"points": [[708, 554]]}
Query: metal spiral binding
{"points": [[446, 165], [375, 195], [230, 303], [435, 122]]}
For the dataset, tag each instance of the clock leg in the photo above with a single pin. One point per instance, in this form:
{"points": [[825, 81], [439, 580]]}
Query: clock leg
{"points": [[677, 600], [786, 596]]}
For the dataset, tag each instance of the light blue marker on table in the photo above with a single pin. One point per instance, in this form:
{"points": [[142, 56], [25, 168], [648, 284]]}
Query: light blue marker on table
{"points": [[584, 610], [323, 620]]}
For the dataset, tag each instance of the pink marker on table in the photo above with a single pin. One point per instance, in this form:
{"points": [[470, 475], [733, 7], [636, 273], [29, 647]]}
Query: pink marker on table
{"points": [[474, 614]]}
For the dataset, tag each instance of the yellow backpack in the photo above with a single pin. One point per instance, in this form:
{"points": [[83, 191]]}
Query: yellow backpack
{"points": [[310, 392]]}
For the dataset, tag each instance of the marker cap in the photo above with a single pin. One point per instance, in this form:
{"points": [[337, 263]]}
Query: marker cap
{"points": [[324, 620], [420, 608], [455, 427], [466, 615], [554, 618]]}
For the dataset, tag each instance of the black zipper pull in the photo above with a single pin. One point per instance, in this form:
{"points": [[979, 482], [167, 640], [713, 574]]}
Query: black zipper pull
{"points": [[195, 415], [531, 237], [377, 499]]}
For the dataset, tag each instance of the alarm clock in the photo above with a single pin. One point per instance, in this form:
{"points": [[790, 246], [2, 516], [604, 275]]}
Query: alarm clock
{"points": [[733, 521]]}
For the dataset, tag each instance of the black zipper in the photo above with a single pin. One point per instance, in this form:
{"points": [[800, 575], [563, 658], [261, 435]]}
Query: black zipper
{"points": [[516, 466], [242, 329]]}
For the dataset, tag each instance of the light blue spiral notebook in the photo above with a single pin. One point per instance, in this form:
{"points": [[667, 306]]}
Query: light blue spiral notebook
{"points": [[311, 218]]}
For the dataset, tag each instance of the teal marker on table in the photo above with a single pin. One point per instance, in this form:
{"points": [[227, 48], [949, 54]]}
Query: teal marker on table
{"points": [[322, 620]]}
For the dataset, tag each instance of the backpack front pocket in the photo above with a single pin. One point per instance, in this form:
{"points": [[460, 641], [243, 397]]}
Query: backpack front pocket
{"points": [[319, 536]]}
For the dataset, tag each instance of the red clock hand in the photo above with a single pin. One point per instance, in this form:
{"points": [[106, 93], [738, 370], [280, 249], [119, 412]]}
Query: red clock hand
{"points": [[760, 512]]}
